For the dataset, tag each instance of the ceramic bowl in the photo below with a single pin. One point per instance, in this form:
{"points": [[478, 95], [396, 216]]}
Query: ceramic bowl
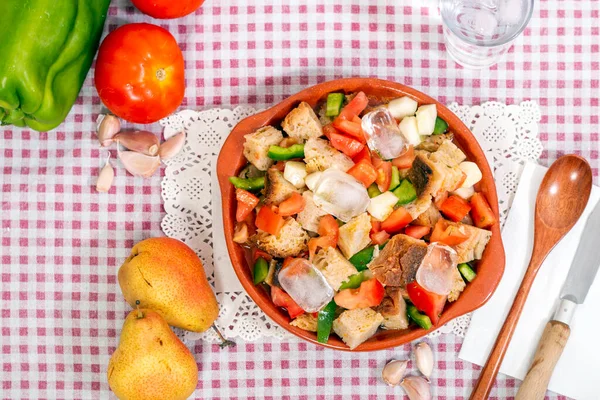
{"points": [[231, 160]]}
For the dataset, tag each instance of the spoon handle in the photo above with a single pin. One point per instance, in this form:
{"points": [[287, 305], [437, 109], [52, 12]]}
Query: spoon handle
{"points": [[492, 366]]}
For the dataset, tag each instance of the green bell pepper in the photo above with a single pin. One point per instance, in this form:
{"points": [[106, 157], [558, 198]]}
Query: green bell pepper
{"points": [[250, 184], [441, 126], [417, 317], [261, 270], [353, 281], [405, 192], [47, 48], [325, 322], [279, 153]]}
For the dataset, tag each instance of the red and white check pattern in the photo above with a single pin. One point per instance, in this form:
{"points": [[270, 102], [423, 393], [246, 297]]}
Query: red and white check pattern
{"points": [[61, 309]]}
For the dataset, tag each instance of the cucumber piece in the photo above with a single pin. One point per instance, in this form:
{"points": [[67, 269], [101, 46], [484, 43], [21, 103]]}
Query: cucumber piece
{"points": [[467, 272], [395, 181], [373, 191], [261, 270], [334, 104], [440, 127], [405, 192]]}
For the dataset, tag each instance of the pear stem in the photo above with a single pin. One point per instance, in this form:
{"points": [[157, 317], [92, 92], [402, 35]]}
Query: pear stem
{"points": [[140, 314], [224, 342]]}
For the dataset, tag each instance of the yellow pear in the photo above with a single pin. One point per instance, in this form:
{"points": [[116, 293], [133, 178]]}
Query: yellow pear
{"points": [[151, 363], [165, 275]]}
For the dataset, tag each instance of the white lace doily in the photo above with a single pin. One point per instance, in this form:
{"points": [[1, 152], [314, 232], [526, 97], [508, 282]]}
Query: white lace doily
{"points": [[508, 135]]}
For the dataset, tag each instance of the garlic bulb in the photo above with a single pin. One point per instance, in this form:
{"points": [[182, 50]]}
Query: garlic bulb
{"points": [[105, 178], [140, 141], [139, 164], [424, 357], [172, 146], [394, 371], [107, 126], [416, 388]]}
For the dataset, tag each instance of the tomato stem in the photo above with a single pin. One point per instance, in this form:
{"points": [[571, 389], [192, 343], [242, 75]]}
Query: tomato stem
{"points": [[161, 74]]}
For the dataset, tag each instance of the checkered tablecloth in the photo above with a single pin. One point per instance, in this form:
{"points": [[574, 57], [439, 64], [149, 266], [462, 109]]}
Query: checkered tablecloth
{"points": [[61, 309]]}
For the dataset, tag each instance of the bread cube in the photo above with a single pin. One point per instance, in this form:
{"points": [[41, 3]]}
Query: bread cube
{"points": [[302, 123], [335, 268], [356, 326], [257, 146], [354, 235], [290, 242]]}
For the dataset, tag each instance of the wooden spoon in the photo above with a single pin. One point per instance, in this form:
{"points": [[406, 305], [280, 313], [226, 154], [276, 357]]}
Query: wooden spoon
{"points": [[561, 199]]}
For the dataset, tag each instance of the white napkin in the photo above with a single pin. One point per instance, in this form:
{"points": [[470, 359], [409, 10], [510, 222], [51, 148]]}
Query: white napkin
{"points": [[578, 372]]}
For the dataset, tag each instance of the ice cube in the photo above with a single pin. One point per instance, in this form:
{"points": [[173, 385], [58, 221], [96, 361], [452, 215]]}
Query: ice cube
{"points": [[340, 195], [436, 272], [382, 134], [306, 285]]}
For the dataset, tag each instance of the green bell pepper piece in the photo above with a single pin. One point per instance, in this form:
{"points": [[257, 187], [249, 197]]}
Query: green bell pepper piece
{"points": [[250, 184], [334, 104], [353, 281], [325, 322], [46, 50], [362, 258], [261, 270], [286, 153], [440, 127], [419, 318], [395, 181], [373, 191], [406, 192], [467, 272]]}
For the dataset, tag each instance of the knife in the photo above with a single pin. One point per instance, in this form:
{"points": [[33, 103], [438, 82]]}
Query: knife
{"points": [[581, 276]]}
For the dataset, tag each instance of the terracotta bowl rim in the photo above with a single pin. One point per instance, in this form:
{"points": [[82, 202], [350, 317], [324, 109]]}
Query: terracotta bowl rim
{"points": [[231, 159]]}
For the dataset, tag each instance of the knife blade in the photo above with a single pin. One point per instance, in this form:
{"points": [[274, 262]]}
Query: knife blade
{"points": [[586, 262]]}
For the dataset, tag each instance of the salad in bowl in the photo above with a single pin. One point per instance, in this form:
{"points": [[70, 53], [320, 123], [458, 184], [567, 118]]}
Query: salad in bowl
{"points": [[359, 215]]}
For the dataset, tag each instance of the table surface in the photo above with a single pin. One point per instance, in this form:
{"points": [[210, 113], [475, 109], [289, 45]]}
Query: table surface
{"points": [[62, 243]]}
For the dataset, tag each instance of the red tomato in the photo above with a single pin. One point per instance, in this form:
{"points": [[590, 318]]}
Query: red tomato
{"points": [[140, 73], [447, 234], [328, 130], [364, 154], [416, 231], [282, 299], [455, 208], [280, 166], [430, 303], [329, 232], [269, 221], [405, 160], [346, 144], [379, 237], [397, 220], [292, 205], [481, 212], [351, 128], [354, 107], [384, 173], [246, 202], [167, 9], [369, 294], [440, 198], [258, 253], [364, 172]]}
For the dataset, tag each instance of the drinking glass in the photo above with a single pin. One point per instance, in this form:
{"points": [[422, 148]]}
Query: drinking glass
{"points": [[478, 33]]}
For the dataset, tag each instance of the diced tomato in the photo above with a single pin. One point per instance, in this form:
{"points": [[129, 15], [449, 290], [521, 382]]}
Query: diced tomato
{"points": [[430, 303], [328, 130], [384, 173], [455, 208], [375, 225], [346, 144], [380, 237], [269, 221], [354, 107], [246, 202], [280, 166], [416, 231], [258, 253], [350, 128], [405, 160], [328, 231], [481, 212], [369, 294], [364, 172], [447, 234], [282, 299], [292, 205], [288, 141], [440, 198], [397, 220], [364, 154]]}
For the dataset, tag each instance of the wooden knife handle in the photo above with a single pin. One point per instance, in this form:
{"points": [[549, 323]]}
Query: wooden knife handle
{"points": [[549, 349]]}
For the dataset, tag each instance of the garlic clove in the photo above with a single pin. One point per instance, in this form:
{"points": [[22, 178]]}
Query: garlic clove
{"points": [[172, 146], [416, 388], [139, 141], [394, 371], [107, 126], [139, 164], [424, 357], [105, 177]]}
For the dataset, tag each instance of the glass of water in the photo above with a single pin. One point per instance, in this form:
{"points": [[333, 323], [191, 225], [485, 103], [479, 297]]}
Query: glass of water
{"points": [[478, 33]]}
